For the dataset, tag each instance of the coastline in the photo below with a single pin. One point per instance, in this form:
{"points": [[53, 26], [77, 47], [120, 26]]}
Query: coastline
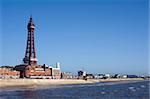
{"points": [[48, 82]]}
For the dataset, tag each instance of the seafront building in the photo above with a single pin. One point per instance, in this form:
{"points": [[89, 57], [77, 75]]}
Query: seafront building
{"points": [[8, 72], [81, 74], [56, 72], [40, 72], [67, 75]]}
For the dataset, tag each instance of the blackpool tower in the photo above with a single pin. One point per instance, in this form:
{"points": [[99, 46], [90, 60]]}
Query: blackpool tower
{"points": [[30, 53], [30, 68], [30, 61]]}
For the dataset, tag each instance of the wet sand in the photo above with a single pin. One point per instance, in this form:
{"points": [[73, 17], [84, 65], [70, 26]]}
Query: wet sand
{"points": [[38, 82]]}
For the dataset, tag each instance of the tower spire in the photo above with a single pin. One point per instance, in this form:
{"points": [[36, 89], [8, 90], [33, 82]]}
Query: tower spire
{"points": [[30, 20]]}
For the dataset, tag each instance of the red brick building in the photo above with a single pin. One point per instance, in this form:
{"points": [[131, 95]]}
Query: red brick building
{"points": [[37, 71], [8, 72]]}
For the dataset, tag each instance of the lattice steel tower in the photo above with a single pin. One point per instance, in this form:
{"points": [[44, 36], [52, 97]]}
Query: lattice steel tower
{"points": [[30, 53]]}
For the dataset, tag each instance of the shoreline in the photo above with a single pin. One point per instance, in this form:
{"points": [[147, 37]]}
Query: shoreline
{"points": [[47, 82]]}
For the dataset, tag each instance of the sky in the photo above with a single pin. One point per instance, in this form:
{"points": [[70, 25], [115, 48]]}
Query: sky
{"points": [[98, 36]]}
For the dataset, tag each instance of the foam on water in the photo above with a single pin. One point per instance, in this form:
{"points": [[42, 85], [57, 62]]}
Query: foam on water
{"points": [[142, 86]]}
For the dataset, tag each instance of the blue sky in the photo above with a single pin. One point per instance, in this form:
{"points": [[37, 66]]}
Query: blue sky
{"points": [[99, 36]]}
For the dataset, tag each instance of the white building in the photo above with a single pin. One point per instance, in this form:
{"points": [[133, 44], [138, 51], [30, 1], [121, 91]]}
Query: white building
{"points": [[56, 72]]}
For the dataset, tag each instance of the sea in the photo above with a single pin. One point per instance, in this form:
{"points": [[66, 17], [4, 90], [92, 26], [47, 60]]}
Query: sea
{"points": [[102, 90]]}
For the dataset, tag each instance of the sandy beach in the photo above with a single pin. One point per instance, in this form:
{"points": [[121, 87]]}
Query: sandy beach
{"points": [[38, 82]]}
